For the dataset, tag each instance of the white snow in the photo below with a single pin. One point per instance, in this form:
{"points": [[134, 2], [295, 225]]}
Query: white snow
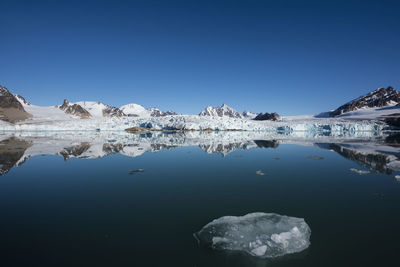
{"points": [[259, 234], [46, 115]]}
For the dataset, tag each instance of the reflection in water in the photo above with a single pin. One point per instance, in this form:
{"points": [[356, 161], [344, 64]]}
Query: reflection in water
{"points": [[380, 154], [374, 161], [11, 151]]}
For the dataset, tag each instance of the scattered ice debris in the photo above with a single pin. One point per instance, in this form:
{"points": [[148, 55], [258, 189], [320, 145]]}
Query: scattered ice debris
{"points": [[132, 172], [259, 234], [315, 157], [260, 173], [360, 172]]}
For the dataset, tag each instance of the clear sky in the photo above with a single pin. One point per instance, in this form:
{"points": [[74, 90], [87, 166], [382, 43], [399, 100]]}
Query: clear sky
{"points": [[292, 57]]}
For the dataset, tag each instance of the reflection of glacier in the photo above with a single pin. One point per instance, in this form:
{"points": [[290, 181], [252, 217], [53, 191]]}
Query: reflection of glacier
{"points": [[15, 148]]}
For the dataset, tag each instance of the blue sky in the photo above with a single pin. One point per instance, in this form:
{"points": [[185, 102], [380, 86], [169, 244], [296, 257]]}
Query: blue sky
{"points": [[292, 57]]}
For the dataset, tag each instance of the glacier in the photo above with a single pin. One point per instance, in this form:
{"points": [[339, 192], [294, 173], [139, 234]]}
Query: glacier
{"points": [[44, 122], [264, 235]]}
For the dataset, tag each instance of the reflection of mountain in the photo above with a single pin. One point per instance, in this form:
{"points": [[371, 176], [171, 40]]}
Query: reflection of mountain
{"points": [[379, 154], [74, 151], [225, 149], [380, 158], [11, 151], [267, 143]]}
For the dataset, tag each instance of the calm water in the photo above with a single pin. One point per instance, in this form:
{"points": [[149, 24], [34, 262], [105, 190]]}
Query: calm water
{"points": [[86, 211]]}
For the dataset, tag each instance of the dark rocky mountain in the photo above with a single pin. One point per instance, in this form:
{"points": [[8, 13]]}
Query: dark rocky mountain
{"points": [[111, 111], [11, 109], [381, 97], [75, 109], [223, 111], [267, 116]]}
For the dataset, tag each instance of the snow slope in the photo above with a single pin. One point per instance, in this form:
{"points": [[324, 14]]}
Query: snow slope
{"points": [[135, 110]]}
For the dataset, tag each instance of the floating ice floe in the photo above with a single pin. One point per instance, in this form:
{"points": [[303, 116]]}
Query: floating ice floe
{"points": [[397, 177], [260, 172], [259, 234], [360, 172], [315, 157]]}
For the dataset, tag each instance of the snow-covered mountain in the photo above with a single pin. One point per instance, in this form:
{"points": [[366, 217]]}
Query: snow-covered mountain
{"points": [[381, 97], [100, 110], [135, 110], [222, 111], [75, 109]]}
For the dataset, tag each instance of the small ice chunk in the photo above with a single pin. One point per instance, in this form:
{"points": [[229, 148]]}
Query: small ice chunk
{"points": [[394, 165], [260, 172], [360, 172], [264, 235], [315, 157], [259, 251], [397, 177]]}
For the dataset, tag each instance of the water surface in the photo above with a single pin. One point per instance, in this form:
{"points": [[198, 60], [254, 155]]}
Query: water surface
{"points": [[123, 200]]}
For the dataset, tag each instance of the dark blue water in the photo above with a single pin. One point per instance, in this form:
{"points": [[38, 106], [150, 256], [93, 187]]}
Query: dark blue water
{"points": [[93, 212]]}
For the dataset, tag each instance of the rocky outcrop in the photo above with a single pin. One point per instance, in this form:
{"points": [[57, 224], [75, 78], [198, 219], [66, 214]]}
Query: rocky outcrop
{"points": [[267, 117], [223, 111], [155, 112], [22, 100], [75, 109], [11, 110], [381, 97]]}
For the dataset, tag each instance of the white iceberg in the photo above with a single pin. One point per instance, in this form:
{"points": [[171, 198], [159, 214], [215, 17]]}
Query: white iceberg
{"points": [[264, 235]]}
